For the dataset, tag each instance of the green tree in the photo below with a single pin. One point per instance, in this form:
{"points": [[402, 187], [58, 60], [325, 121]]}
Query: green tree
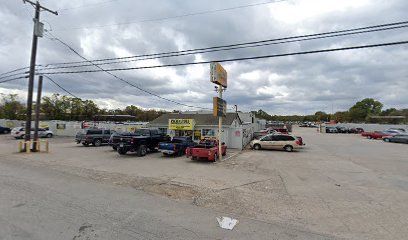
{"points": [[11, 108], [322, 116], [362, 110], [342, 117]]}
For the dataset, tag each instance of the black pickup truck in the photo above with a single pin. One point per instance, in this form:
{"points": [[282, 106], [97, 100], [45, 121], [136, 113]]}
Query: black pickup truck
{"points": [[141, 141], [93, 136]]}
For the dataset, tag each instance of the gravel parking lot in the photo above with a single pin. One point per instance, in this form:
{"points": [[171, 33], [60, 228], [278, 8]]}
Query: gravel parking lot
{"points": [[340, 184]]}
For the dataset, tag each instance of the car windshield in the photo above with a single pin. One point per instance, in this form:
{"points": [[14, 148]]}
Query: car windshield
{"points": [[142, 132]]}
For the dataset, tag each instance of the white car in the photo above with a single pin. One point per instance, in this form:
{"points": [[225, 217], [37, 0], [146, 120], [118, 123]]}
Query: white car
{"points": [[19, 132], [277, 141]]}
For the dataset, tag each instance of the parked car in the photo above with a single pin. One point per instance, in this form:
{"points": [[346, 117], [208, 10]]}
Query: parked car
{"points": [[402, 130], [176, 146], [331, 130], [400, 138], [5, 130], [93, 136], [278, 142], [264, 132], [19, 133], [141, 141], [341, 129], [355, 130], [114, 140], [380, 134], [206, 149], [282, 130]]}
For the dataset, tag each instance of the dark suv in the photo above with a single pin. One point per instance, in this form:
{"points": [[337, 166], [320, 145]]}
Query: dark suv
{"points": [[93, 136], [5, 130], [141, 141]]}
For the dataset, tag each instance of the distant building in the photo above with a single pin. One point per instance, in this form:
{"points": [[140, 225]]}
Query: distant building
{"points": [[201, 124]]}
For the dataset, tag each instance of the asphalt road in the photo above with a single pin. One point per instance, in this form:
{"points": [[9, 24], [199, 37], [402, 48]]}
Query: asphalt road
{"points": [[39, 203]]}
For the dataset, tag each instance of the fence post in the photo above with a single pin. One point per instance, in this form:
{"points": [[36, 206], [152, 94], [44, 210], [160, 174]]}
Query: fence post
{"points": [[28, 146]]}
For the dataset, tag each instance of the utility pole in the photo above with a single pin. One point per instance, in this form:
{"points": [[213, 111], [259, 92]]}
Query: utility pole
{"points": [[220, 89], [37, 112], [37, 32]]}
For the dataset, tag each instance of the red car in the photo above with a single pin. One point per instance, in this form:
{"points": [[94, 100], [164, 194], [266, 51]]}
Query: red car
{"points": [[207, 148], [379, 134]]}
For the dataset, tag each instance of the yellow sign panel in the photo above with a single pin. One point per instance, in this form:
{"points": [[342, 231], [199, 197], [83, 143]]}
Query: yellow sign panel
{"points": [[219, 107], [218, 74], [181, 124]]}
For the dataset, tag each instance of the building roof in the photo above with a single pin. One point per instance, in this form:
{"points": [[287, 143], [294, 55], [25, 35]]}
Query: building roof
{"points": [[200, 119]]}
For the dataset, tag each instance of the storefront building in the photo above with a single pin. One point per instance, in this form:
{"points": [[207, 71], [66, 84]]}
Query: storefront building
{"points": [[202, 125]]}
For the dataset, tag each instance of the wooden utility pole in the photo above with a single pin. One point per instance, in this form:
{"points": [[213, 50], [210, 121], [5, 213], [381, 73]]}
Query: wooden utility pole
{"points": [[37, 112], [37, 32], [220, 127]]}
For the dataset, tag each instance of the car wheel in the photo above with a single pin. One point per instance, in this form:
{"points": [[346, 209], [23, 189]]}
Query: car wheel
{"points": [[97, 143], [257, 147], [6, 132], [85, 144], [386, 139], [122, 151], [288, 148], [369, 137], [49, 135], [142, 151], [114, 148]]}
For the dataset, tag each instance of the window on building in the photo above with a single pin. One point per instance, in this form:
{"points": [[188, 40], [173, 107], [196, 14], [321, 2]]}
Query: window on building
{"points": [[209, 132]]}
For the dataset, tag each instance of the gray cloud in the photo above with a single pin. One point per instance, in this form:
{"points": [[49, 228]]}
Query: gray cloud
{"points": [[288, 85]]}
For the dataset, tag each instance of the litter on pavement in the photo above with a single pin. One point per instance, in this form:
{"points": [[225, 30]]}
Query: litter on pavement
{"points": [[226, 222]]}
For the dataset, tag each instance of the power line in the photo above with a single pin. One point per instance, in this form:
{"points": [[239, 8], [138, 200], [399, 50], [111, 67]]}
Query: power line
{"points": [[13, 79], [234, 59], [176, 16], [127, 82], [15, 70], [225, 49], [12, 75], [56, 84], [242, 44]]}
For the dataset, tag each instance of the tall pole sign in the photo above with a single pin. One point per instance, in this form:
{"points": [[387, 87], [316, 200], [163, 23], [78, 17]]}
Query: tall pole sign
{"points": [[218, 75]]}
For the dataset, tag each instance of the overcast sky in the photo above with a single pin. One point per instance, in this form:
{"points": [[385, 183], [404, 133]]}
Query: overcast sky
{"points": [[287, 85]]}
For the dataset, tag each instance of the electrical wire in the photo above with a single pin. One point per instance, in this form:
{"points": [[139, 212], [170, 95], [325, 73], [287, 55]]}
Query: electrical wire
{"points": [[15, 70], [12, 75], [127, 82], [56, 84], [242, 44], [393, 25], [224, 49], [13, 79], [234, 59], [174, 17]]}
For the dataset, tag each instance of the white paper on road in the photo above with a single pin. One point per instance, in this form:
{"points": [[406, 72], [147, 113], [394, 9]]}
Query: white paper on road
{"points": [[226, 222]]}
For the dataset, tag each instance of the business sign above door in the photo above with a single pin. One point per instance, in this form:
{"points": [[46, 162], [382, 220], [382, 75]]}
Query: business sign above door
{"points": [[181, 124]]}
